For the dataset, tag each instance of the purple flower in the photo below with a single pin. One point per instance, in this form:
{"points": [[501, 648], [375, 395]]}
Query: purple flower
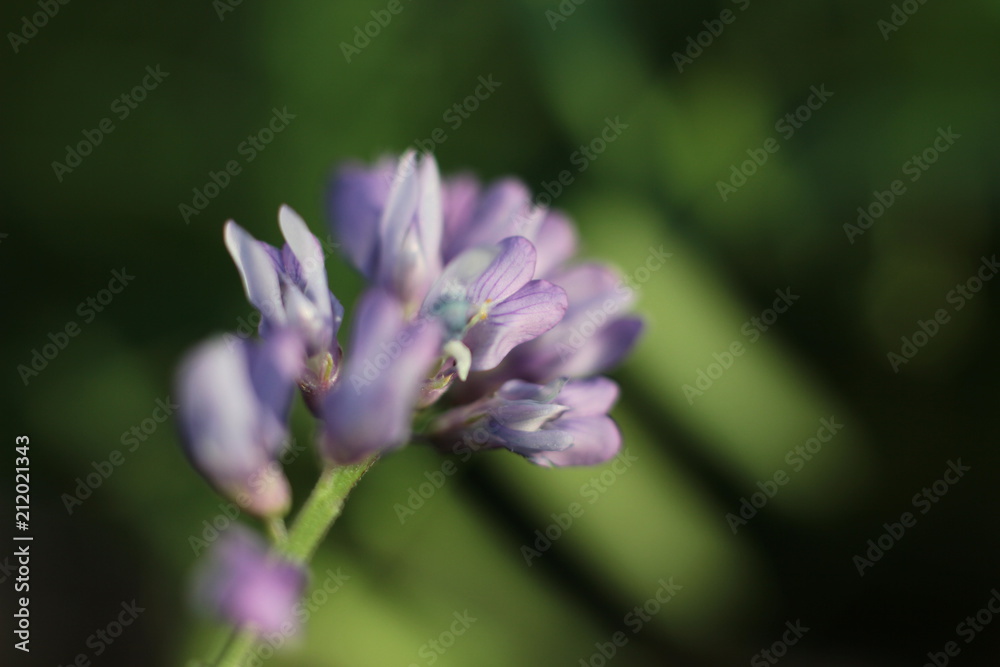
{"points": [[289, 288], [593, 337], [234, 407], [474, 218], [248, 587], [391, 218], [489, 303], [371, 408], [390, 221], [477, 218], [399, 224], [562, 423]]}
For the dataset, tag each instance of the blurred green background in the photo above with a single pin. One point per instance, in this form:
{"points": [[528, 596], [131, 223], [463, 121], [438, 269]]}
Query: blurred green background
{"points": [[563, 70]]}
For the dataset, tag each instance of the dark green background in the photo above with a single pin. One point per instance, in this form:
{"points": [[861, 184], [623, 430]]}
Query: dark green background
{"points": [[656, 185]]}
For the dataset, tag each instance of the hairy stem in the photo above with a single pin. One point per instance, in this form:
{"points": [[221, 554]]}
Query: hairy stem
{"points": [[299, 543], [322, 508]]}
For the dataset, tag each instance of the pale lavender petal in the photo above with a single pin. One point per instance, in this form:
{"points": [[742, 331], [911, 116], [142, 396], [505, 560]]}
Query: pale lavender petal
{"points": [[520, 390], [275, 365], [356, 201], [218, 410], [248, 587], [504, 210], [371, 408], [532, 443], [409, 230], [512, 267], [592, 283], [561, 423], [309, 255], [516, 425], [258, 272], [302, 315], [526, 415], [593, 336], [430, 213], [596, 439], [460, 196], [288, 286], [555, 243], [287, 263], [529, 312], [397, 217], [229, 431], [591, 396], [579, 356]]}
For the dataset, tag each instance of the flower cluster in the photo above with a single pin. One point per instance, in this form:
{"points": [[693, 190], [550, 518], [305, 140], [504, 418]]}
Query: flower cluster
{"points": [[475, 316]]}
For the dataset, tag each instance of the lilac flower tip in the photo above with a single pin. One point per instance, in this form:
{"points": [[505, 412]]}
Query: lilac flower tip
{"points": [[234, 397], [245, 585]]}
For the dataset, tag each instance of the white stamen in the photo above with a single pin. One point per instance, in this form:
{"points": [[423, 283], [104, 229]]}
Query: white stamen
{"points": [[462, 355]]}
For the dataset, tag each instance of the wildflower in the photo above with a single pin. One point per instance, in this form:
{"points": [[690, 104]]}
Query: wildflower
{"points": [[234, 408], [558, 424], [289, 288], [244, 584]]}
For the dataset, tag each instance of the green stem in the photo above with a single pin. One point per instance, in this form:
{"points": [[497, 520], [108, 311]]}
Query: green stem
{"points": [[322, 508], [276, 529], [299, 543], [240, 644]]}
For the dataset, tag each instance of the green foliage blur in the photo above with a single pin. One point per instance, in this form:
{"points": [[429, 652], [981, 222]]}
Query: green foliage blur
{"points": [[718, 159]]}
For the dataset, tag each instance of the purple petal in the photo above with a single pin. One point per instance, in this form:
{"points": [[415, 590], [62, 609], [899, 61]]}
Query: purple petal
{"points": [[504, 210], [532, 443], [526, 415], [592, 283], [287, 263], [529, 312], [218, 410], [289, 286], [520, 390], [410, 230], [555, 243], [309, 255], [397, 217], [561, 423], [275, 365], [591, 396], [430, 213], [460, 196], [512, 267], [244, 585], [258, 272], [591, 338], [229, 432], [580, 356], [596, 439], [594, 436], [303, 317], [356, 201], [371, 408]]}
